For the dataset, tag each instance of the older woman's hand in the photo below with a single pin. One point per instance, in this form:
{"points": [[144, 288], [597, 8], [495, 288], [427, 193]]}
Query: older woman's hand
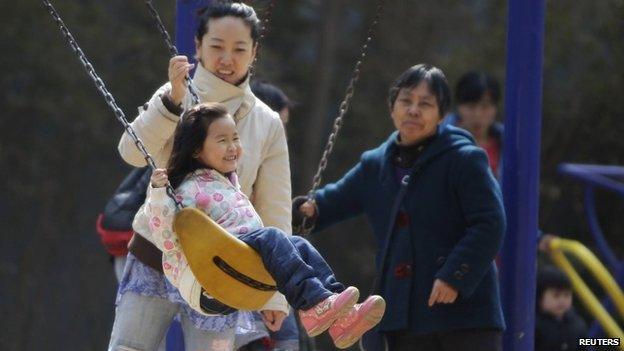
{"points": [[308, 209], [442, 293]]}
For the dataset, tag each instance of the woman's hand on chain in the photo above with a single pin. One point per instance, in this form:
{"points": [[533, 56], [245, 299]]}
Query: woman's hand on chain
{"points": [[179, 69]]}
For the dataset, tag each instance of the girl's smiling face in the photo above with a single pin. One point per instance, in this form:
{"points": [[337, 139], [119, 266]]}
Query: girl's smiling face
{"points": [[222, 147]]}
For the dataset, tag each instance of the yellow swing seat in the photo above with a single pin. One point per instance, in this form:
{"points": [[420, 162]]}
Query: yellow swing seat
{"points": [[228, 269]]}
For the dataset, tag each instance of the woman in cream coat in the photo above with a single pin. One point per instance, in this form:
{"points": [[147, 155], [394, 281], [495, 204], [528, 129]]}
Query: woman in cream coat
{"points": [[226, 43]]}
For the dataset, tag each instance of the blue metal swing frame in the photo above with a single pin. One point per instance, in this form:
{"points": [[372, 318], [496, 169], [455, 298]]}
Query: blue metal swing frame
{"points": [[608, 178]]}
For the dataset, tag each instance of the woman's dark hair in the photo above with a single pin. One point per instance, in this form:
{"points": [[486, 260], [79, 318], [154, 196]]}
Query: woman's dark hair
{"points": [[423, 72], [271, 95], [189, 138], [220, 9], [472, 86], [550, 277]]}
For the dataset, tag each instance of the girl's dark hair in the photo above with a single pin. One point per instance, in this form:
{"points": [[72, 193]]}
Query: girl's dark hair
{"points": [[189, 138], [220, 9], [549, 277], [271, 95], [472, 86], [423, 72]]}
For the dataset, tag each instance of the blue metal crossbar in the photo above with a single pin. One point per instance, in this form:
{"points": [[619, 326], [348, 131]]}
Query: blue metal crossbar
{"points": [[596, 175], [603, 177]]}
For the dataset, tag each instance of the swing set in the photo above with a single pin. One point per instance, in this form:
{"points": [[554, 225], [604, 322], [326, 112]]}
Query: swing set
{"points": [[248, 284], [214, 254]]}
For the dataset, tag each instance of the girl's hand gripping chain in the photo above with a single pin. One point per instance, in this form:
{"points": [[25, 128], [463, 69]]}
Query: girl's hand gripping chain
{"points": [[159, 178]]}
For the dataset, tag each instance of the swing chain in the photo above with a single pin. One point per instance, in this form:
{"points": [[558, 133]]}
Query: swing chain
{"points": [[306, 228], [99, 83], [172, 48]]}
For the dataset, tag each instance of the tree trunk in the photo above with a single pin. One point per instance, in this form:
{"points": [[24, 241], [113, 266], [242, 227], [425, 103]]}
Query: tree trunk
{"points": [[316, 135]]}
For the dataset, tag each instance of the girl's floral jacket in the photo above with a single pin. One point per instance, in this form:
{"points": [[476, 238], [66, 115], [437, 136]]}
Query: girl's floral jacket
{"points": [[220, 198]]}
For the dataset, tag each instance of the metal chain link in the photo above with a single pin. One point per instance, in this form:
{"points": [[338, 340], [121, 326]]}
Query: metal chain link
{"points": [[305, 227], [110, 100], [172, 48]]}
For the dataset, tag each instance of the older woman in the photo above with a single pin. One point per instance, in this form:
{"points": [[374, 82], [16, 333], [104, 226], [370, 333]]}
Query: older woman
{"points": [[438, 219]]}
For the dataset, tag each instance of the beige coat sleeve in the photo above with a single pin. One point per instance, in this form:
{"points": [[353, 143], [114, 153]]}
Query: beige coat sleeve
{"points": [[277, 302], [272, 192], [154, 126]]}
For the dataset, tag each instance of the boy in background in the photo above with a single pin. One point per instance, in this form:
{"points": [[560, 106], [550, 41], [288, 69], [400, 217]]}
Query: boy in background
{"points": [[557, 325]]}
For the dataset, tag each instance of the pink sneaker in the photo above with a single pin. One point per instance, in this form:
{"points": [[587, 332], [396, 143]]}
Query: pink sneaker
{"points": [[347, 330], [318, 318]]}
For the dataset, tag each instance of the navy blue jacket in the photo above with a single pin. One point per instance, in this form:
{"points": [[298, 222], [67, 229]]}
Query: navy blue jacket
{"points": [[453, 211]]}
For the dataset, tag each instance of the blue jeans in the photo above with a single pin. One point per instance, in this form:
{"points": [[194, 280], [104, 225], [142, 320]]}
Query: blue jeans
{"points": [[142, 321], [299, 270]]}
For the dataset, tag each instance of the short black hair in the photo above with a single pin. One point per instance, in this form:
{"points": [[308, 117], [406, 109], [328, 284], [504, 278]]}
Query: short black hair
{"points": [[271, 95], [472, 86], [220, 9], [423, 72], [549, 277]]}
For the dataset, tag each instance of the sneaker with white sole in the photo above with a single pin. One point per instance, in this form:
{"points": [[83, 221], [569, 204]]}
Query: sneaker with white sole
{"points": [[347, 330], [320, 317]]}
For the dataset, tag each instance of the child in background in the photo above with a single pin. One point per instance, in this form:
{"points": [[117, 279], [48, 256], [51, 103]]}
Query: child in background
{"points": [[477, 96], [557, 325], [202, 169]]}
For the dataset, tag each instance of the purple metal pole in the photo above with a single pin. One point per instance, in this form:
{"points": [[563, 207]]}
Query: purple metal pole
{"points": [[186, 25], [521, 164]]}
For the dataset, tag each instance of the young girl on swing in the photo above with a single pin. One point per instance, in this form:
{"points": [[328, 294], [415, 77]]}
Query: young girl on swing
{"points": [[202, 168]]}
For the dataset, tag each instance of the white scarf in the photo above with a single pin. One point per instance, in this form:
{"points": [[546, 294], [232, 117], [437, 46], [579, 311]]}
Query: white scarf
{"points": [[238, 99]]}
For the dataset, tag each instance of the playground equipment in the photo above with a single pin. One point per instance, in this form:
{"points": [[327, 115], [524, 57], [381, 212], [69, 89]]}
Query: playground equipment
{"points": [[607, 178], [521, 167], [558, 247]]}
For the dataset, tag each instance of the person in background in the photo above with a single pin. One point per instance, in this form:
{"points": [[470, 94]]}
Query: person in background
{"points": [[438, 219], [557, 325], [274, 97], [477, 96]]}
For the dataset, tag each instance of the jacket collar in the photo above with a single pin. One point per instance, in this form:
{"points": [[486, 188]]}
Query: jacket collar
{"points": [[446, 138], [210, 175], [238, 99]]}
